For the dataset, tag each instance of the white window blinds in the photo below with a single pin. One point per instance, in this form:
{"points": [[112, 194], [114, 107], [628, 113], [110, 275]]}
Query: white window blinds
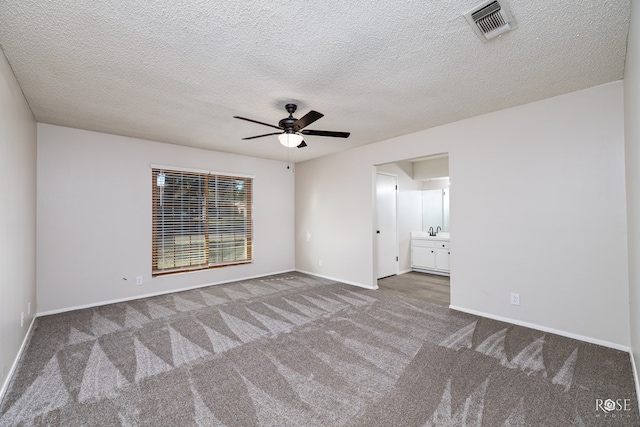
{"points": [[200, 220]]}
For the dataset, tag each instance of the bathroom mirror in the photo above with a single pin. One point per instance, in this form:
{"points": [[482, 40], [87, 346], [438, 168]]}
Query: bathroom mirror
{"points": [[435, 209]]}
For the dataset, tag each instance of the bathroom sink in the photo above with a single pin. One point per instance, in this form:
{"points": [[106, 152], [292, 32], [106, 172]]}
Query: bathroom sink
{"points": [[444, 235]]}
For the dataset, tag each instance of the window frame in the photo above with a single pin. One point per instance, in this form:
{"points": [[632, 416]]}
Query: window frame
{"points": [[213, 253]]}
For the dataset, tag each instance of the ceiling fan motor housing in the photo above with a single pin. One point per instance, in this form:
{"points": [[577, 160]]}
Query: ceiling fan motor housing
{"points": [[287, 123]]}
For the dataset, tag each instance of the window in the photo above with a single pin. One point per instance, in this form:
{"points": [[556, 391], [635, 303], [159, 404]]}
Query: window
{"points": [[200, 220]]}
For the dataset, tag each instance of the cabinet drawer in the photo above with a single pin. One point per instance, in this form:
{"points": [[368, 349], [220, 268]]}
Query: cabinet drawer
{"points": [[423, 244], [441, 244]]}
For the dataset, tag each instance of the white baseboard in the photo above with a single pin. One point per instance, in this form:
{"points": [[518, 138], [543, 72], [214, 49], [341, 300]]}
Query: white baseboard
{"points": [[7, 380], [404, 271], [544, 329], [154, 294], [360, 285]]}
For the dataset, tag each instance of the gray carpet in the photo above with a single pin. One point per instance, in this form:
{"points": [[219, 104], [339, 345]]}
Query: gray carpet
{"points": [[295, 350]]}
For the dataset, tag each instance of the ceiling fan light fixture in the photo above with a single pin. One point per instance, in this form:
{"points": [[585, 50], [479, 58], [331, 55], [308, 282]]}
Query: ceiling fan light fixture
{"points": [[290, 139]]}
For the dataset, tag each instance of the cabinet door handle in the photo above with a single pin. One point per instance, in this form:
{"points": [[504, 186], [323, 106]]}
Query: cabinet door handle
{"points": [[431, 251]]}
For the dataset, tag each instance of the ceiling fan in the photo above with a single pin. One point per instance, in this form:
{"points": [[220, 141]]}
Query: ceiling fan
{"points": [[292, 129]]}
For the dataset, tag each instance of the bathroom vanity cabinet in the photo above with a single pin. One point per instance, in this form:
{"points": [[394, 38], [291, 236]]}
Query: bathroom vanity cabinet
{"points": [[430, 254]]}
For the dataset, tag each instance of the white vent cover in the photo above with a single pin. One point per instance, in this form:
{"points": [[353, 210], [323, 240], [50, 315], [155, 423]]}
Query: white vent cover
{"points": [[490, 19]]}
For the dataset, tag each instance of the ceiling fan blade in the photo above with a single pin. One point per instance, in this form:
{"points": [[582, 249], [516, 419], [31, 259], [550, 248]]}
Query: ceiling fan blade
{"points": [[260, 136], [325, 133], [255, 121], [302, 144], [306, 120]]}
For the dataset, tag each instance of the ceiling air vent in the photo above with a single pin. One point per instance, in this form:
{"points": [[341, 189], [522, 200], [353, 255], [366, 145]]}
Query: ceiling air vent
{"points": [[490, 19]]}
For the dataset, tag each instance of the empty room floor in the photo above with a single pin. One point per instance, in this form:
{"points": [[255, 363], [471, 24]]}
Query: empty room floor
{"points": [[426, 287]]}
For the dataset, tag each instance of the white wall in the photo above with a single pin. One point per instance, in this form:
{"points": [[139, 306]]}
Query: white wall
{"points": [[335, 218], [94, 216], [435, 184], [431, 168], [632, 146], [409, 209], [17, 218], [554, 230]]}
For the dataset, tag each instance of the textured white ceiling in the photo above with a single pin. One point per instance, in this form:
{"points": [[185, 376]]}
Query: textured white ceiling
{"points": [[177, 71]]}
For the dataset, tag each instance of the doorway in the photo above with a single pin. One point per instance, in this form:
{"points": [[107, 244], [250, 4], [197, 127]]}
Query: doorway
{"points": [[386, 224], [417, 179]]}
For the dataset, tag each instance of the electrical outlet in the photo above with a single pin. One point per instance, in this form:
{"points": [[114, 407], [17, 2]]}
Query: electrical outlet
{"points": [[22, 319], [29, 308], [515, 299], [319, 263], [139, 280]]}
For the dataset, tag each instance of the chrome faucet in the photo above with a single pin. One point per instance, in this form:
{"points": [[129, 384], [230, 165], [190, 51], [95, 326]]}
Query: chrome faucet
{"points": [[439, 229], [431, 233]]}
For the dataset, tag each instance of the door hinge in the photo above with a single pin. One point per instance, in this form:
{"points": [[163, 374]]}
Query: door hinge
{"points": [[396, 258], [396, 188]]}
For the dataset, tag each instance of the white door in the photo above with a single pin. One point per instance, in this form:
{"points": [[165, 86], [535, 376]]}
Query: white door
{"points": [[387, 233]]}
